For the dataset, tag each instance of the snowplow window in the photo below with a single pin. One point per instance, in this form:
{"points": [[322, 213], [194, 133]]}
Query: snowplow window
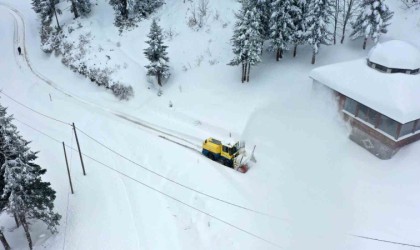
{"points": [[232, 150]]}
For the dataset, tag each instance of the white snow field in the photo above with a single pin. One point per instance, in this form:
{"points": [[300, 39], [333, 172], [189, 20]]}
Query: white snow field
{"points": [[315, 187]]}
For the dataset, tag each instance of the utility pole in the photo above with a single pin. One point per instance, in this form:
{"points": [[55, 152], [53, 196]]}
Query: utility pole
{"points": [[78, 147], [68, 169]]}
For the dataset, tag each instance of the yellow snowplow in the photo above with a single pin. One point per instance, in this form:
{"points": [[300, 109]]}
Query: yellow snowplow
{"points": [[230, 155]]}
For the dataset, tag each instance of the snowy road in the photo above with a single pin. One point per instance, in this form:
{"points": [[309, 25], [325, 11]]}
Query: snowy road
{"points": [[19, 38], [128, 201], [333, 182]]}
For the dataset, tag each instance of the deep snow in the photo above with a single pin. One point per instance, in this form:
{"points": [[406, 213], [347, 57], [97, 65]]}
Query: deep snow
{"points": [[394, 95], [307, 171], [396, 54]]}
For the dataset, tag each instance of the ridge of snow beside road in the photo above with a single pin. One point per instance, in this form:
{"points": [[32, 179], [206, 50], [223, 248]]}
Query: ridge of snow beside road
{"points": [[306, 170]]}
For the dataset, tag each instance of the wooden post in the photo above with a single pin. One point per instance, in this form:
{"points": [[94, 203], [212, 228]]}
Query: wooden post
{"points": [[68, 169], [80, 151]]}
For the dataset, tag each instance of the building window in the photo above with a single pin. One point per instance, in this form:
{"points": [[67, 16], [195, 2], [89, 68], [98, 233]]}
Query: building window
{"points": [[373, 117], [418, 125], [367, 114], [391, 70], [407, 128], [350, 105], [363, 112], [388, 126]]}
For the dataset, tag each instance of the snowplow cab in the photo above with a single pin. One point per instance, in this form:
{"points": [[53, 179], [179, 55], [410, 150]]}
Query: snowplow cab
{"points": [[215, 150], [229, 152]]}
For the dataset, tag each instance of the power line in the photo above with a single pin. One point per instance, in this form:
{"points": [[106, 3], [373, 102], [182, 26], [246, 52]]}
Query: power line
{"points": [[147, 169], [184, 203], [208, 214], [163, 193], [33, 110], [385, 241], [39, 131], [180, 184]]}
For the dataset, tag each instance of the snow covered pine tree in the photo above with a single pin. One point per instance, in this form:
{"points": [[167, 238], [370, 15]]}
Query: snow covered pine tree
{"points": [[80, 7], [24, 193], [121, 12], [299, 12], [317, 33], [46, 10], [145, 7], [282, 26], [247, 39], [3, 157], [156, 53], [264, 9], [127, 12], [372, 21]]}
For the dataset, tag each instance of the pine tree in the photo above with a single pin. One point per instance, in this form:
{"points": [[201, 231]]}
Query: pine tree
{"points": [[80, 7], [84, 7], [36, 6], [9, 145], [3, 199], [282, 27], [156, 53], [74, 9], [128, 12], [372, 21], [247, 39], [46, 10], [299, 13], [121, 12], [349, 8], [318, 19], [145, 7], [24, 193], [263, 7]]}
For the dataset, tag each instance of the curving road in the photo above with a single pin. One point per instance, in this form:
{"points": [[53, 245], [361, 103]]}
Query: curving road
{"points": [[19, 39]]}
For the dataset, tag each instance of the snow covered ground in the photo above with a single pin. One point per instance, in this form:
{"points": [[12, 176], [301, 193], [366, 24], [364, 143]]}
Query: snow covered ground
{"points": [[320, 186]]}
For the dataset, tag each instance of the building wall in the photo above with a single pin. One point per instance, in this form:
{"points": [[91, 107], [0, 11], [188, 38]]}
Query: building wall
{"points": [[372, 136]]}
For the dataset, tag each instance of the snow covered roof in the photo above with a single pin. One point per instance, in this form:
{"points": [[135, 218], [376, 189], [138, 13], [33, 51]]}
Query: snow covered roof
{"points": [[394, 95], [396, 54]]}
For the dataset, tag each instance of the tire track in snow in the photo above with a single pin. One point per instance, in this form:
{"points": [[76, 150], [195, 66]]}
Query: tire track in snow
{"points": [[130, 208], [161, 132]]}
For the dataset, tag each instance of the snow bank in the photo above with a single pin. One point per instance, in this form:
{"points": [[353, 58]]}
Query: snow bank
{"points": [[394, 95]]}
